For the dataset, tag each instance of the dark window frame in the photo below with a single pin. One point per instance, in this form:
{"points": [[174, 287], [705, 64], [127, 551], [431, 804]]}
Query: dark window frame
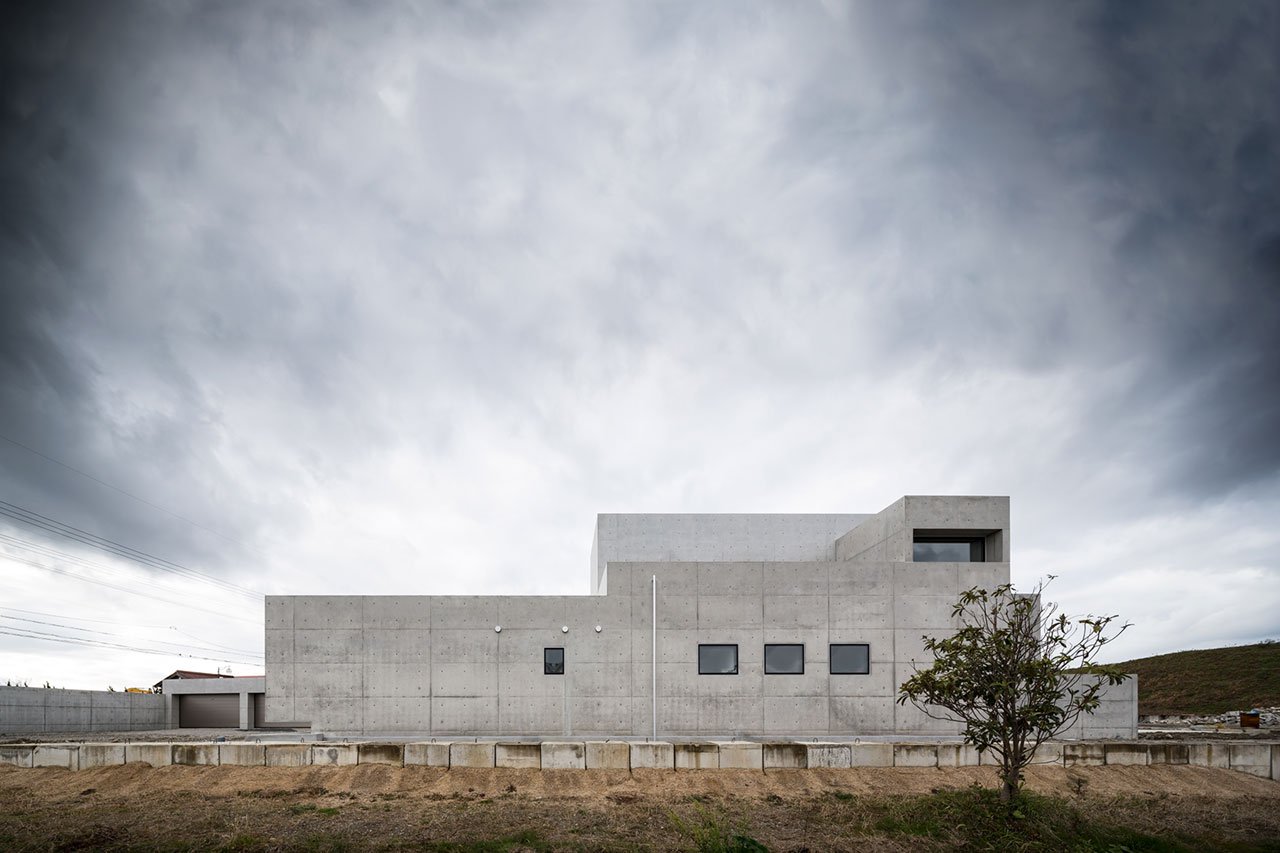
{"points": [[831, 659], [548, 666], [768, 646], [736, 658], [977, 547]]}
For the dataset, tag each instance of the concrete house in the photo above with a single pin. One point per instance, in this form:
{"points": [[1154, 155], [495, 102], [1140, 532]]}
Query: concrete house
{"points": [[765, 625]]}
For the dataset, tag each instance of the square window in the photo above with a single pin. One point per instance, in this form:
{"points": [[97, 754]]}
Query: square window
{"points": [[784, 659], [850, 659], [718, 659], [553, 661]]}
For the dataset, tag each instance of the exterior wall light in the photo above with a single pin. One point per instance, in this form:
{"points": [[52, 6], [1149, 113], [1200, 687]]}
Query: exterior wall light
{"points": [[497, 629]]}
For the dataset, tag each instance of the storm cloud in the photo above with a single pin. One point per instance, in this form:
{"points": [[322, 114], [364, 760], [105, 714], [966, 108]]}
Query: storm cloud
{"points": [[394, 299]]}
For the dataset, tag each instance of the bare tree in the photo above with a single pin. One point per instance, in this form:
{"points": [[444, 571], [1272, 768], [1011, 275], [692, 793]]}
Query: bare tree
{"points": [[1015, 674]]}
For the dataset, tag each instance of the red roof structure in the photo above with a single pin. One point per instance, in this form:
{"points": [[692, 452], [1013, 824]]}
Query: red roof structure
{"points": [[187, 673]]}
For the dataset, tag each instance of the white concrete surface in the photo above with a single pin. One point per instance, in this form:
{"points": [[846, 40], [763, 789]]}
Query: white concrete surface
{"points": [[653, 755], [785, 756], [1251, 758], [242, 754], [471, 754], [559, 755], [697, 756], [101, 755], [737, 755], [1126, 754], [1255, 758], [335, 754], [608, 755], [56, 755], [837, 755], [427, 754], [155, 754], [287, 754], [195, 754]]}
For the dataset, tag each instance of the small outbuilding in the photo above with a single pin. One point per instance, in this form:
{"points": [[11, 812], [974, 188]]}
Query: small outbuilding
{"points": [[196, 700]]}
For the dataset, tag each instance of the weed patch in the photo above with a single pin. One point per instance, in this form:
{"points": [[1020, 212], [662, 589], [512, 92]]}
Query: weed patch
{"points": [[974, 818], [713, 832]]}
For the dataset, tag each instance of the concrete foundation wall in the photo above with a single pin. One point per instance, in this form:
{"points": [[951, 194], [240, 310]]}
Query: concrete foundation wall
{"points": [[28, 710], [1116, 716], [1255, 758]]}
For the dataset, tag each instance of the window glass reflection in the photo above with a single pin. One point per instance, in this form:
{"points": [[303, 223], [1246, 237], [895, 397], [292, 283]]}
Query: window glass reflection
{"points": [[850, 659], [553, 661], [717, 660], [948, 551], [784, 659]]}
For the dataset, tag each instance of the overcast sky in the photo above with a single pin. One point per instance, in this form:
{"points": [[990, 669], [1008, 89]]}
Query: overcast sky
{"points": [[393, 299]]}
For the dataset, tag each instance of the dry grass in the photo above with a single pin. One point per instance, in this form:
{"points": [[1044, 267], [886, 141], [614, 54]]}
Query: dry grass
{"points": [[388, 808], [1208, 681]]}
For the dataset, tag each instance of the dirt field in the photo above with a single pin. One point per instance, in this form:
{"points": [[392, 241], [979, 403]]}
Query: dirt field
{"points": [[372, 807]]}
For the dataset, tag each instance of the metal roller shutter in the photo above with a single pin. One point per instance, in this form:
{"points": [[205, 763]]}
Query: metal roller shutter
{"points": [[209, 711]]}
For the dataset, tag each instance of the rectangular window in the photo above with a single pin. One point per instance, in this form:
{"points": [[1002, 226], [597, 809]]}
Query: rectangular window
{"points": [[553, 661], [718, 659], [850, 659], [784, 658], [937, 550]]}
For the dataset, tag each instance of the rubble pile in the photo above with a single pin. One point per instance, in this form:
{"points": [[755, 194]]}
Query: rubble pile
{"points": [[1267, 717]]}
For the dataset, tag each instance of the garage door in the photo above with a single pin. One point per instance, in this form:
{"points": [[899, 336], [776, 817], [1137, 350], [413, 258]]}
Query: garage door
{"points": [[209, 711]]}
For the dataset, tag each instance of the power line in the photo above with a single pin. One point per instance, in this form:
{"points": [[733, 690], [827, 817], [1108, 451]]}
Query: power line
{"points": [[68, 531], [118, 622], [187, 646], [211, 643], [58, 638], [122, 491], [45, 551], [78, 618], [56, 625], [50, 525], [126, 589]]}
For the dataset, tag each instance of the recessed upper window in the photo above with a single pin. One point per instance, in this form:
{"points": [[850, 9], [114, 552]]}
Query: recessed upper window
{"points": [[949, 550], [553, 661], [784, 659], [850, 659], [718, 659]]}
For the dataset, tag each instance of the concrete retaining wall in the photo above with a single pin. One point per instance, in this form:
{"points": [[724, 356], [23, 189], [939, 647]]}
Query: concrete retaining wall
{"points": [[1257, 758], [30, 710], [1115, 717]]}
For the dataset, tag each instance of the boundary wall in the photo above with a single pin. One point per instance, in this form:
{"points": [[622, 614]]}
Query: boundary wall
{"points": [[1259, 758], [28, 710]]}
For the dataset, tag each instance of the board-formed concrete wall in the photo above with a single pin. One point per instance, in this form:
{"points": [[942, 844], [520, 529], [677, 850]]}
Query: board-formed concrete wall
{"points": [[25, 710]]}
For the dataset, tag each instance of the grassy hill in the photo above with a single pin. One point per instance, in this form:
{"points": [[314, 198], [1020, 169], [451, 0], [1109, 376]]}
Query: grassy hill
{"points": [[1208, 681]]}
